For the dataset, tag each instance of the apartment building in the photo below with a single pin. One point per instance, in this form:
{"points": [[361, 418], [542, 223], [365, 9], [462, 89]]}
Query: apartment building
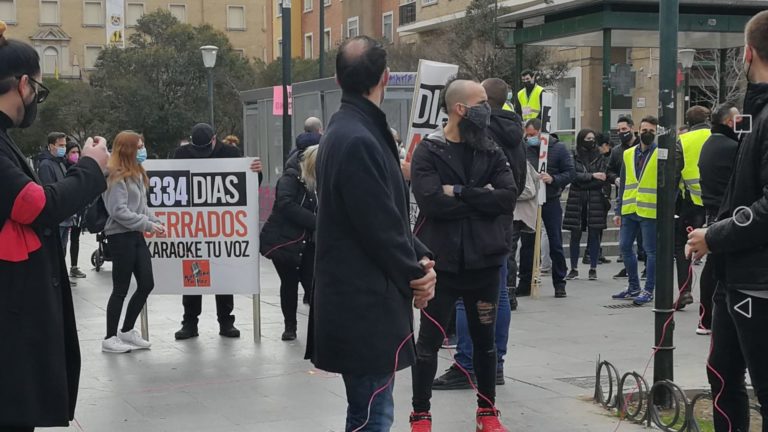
{"points": [[70, 34]]}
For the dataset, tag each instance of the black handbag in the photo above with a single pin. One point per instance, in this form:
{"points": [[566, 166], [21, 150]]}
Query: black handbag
{"points": [[96, 216]]}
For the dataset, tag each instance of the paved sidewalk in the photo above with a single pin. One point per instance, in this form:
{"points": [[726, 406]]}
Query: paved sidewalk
{"points": [[214, 384]]}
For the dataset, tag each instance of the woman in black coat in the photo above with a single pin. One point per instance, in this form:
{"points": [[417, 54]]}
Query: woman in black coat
{"points": [[288, 235], [587, 203], [40, 361]]}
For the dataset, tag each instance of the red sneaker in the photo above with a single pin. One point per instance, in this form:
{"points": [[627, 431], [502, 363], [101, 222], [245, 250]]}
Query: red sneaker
{"points": [[488, 420], [421, 422]]}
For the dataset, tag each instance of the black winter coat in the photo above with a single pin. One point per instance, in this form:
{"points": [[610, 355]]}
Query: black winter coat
{"points": [[291, 225], [366, 254], [587, 191], [616, 160], [506, 129], [741, 246], [716, 166], [559, 166], [466, 232], [40, 360]]}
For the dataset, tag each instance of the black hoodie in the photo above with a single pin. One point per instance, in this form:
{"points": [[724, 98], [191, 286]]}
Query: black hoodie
{"points": [[506, 130], [716, 165]]}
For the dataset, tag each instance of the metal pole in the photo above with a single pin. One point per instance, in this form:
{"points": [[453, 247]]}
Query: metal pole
{"points": [[257, 318], [722, 92], [606, 79], [287, 135], [516, 85], [210, 95], [663, 368], [321, 56], [687, 89], [145, 323]]}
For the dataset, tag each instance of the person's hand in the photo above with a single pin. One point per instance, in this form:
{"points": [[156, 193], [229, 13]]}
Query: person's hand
{"points": [[424, 287], [599, 176], [96, 149], [405, 167], [256, 165], [617, 221], [618, 182], [448, 190], [546, 178], [158, 228], [697, 246]]}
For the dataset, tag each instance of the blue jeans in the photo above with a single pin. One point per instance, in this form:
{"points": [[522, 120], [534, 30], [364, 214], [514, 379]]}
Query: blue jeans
{"points": [[464, 350], [360, 388], [631, 225]]}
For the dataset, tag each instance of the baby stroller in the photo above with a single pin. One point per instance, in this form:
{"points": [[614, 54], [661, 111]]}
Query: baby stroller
{"points": [[102, 254]]}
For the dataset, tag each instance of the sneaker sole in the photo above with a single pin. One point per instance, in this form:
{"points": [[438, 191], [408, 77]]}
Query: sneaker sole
{"points": [[186, 337], [108, 351], [703, 332], [137, 347]]}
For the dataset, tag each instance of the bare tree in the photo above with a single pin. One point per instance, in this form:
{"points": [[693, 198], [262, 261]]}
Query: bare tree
{"points": [[706, 72]]}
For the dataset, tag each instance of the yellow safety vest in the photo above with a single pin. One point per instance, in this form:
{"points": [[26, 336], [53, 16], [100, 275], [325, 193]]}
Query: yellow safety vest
{"points": [[507, 107], [531, 106], [639, 196], [692, 142]]}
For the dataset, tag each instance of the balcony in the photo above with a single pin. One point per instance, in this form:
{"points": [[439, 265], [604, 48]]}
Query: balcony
{"points": [[408, 13]]}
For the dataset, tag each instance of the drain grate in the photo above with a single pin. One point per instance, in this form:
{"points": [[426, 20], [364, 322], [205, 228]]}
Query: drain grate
{"points": [[586, 382], [622, 306]]}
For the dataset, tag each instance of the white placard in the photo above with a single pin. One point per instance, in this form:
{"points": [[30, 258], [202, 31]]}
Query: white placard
{"points": [[211, 212], [543, 164]]}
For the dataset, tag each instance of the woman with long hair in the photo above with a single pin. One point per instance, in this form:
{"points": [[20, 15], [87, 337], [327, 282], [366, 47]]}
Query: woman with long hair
{"points": [[288, 235], [129, 218]]}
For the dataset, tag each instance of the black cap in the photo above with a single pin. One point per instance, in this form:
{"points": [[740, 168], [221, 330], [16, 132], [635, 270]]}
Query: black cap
{"points": [[203, 135]]}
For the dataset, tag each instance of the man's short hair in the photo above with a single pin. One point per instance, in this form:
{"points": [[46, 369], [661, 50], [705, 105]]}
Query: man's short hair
{"points": [[535, 123], [722, 113], [312, 125], [697, 114], [358, 73], [55, 136], [650, 119], [528, 72], [626, 119], [497, 90], [757, 34]]}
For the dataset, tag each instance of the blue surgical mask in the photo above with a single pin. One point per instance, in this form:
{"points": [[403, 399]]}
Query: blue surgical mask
{"points": [[141, 156], [61, 152], [533, 141]]}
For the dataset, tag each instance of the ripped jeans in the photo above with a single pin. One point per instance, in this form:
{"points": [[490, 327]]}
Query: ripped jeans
{"points": [[479, 289]]}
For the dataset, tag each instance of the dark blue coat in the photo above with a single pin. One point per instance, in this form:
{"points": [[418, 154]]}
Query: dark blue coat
{"points": [[559, 166]]}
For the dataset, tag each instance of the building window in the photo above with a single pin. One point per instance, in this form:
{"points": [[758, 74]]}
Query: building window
{"points": [[279, 8], [353, 27], [8, 11], [133, 12], [179, 12], [93, 13], [326, 2], [49, 12], [307, 5], [327, 40], [50, 60], [91, 55], [235, 17], [387, 26], [279, 52], [308, 40], [240, 52], [428, 2]]}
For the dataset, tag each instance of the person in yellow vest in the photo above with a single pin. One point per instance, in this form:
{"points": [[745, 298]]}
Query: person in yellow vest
{"points": [[636, 210], [530, 103], [689, 206]]}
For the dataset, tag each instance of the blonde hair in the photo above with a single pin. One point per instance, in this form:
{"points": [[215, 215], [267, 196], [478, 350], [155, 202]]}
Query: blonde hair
{"points": [[122, 162], [307, 164], [232, 140]]}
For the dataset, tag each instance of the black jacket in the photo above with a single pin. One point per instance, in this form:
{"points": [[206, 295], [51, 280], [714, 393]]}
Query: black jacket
{"points": [[506, 130], [716, 165], [40, 364], [465, 232], [366, 254], [291, 225], [220, 150], [587, 191], [51, 169], [559, 166], [740, 241], [617, 160]]}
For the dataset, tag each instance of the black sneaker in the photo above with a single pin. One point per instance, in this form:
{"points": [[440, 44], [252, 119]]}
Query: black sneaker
{"points": [[573, 274], [592, 274], [290, 332], [603, 260], [512, 299], [621, 275], [560, 293], [231, 331], [186, 332], [524, 291], [644, 275], [453, 379], [685, 299], [499, 376], [585, 260], [620, 259], [76, 273]]}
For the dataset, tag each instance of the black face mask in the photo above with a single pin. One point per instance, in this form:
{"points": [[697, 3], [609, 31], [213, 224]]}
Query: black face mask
{"points": [[626, 137], [647, 138], [30, 112], [529, 85], [587, 145]]}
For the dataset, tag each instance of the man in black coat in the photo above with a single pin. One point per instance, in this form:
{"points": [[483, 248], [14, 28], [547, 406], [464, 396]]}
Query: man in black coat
{"points": [[463, 185], [560, 173], [738, 243], [51, 169], [368, 270], [40, 362]]}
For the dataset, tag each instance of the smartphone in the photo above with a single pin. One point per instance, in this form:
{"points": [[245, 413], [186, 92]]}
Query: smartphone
{"points": [[742, 124]]}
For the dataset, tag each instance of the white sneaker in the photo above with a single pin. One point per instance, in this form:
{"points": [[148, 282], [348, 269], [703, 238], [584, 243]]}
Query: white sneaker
{"points": [[114, 345], [703, 331], [133, 338]]}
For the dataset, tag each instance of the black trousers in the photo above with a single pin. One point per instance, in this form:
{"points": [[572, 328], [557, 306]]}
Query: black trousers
{"points": [[290, 277], [693, 217], [193, 306], [739, 344], [16, 429], [707, 284], [74, 244], [130, 257], [480, 291]]}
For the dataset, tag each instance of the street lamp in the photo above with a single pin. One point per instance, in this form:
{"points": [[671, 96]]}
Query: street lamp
{"points": [[209, 61], [685, 57]]}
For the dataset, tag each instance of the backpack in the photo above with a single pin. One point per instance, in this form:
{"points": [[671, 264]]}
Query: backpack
{"points": [[96, 216]]}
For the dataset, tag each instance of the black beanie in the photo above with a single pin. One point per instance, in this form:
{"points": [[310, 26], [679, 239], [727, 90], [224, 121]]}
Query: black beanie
{"points": [[203, 135]]}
